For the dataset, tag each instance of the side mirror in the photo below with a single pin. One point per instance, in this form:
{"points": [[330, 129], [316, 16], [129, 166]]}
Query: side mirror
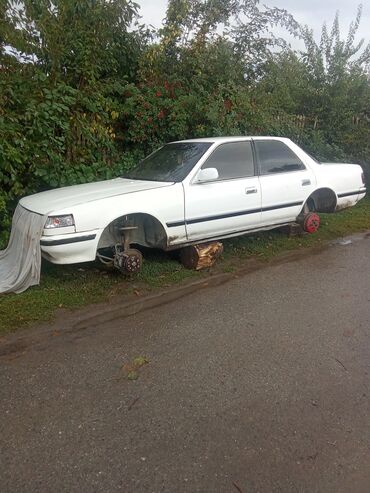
{"points": [[207, 174]]}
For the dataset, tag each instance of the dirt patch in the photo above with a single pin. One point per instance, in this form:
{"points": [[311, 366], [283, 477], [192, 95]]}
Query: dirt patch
{"points": [[13, 349]]}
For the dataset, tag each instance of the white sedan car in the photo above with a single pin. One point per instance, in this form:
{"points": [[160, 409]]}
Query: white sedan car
{"points": [[189, 192]]}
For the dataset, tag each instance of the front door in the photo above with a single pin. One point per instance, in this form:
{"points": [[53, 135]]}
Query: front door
{"points": [[230, 204]]}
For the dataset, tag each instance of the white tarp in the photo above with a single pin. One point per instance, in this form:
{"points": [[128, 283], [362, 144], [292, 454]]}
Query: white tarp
{"points": [[20, 263]]}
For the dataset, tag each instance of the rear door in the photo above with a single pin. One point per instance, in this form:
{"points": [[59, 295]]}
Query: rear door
{"points": [[230, 204], [285, 181]]}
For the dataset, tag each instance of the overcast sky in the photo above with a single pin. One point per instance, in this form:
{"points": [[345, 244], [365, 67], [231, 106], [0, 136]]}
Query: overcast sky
{"points": [[311, 12]]}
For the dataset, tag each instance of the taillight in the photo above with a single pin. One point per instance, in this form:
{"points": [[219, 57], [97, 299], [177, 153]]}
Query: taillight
{"points": [[363, 178]]}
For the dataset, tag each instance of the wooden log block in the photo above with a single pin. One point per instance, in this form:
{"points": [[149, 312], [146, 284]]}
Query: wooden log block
{"points": [[292, 230], [201, 256]]}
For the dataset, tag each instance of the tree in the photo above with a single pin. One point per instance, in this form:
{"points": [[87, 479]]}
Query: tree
{"points": [[58, 91], [194, 30]]}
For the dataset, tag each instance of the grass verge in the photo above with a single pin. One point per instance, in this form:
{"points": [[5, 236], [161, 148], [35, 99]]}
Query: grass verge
{"points": [[79, 285]]}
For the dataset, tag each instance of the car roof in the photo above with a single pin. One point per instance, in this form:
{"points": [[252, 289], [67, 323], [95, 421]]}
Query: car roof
{"points": [[231, 139]]}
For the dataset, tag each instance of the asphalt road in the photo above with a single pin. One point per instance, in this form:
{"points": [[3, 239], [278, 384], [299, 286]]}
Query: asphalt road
{"points": [[259, 385]]}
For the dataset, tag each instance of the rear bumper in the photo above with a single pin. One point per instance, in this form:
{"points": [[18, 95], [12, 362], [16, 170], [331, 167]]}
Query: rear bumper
{"points": [[70, 248]]}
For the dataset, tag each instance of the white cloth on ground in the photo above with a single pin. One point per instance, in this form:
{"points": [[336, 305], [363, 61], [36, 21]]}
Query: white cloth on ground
{"points": [[20, 262]]}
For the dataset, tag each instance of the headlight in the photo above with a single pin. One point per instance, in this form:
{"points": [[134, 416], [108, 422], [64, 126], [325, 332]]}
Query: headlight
{"points": [[59, 221]]}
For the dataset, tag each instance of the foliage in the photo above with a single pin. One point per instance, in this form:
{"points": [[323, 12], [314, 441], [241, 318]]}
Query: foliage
{"points": [[60, 94], [86, 90]]}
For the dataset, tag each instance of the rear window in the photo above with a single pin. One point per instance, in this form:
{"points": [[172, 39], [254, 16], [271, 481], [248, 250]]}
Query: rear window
{"points": [[276, 157]]}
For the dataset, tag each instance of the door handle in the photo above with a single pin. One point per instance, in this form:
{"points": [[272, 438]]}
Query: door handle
{"points": [[306, 182], [249, 190]]}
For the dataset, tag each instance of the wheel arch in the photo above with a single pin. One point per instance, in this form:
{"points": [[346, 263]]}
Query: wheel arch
{"points": [[323, 199], [150, 231]]}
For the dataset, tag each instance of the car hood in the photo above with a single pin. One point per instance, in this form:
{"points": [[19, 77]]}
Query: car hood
{"points": [[62, 198]]}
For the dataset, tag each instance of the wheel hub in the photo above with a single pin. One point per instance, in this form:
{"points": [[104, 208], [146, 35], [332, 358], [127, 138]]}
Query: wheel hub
{"points": [[132, 261], [311, 222], [128, 261]]}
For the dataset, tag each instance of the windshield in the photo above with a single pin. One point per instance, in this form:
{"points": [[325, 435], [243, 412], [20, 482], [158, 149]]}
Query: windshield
{"points": [[172, 162]]}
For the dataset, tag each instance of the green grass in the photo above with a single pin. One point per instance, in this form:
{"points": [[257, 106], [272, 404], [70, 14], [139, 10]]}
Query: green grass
{"points": [[75, 286]]}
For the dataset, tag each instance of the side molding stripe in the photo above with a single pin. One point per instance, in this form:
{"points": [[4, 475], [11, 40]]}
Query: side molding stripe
{"points": [[232, 214], [348, 194], [66, 241]]}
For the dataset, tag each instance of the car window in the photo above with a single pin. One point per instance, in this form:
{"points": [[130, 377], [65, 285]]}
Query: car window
{"points": [[276, 157], [232, 160]]}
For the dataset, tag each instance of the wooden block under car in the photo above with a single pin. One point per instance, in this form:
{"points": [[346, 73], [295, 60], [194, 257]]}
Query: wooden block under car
{"points": [[201, 256], [292, 230]]}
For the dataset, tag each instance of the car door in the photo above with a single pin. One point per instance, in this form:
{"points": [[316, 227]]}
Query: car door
{"points": [[285, 181], [229, 204]]}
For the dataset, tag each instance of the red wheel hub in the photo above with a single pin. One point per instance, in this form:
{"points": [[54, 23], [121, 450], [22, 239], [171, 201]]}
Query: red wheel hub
{"points": [[311, 222]]}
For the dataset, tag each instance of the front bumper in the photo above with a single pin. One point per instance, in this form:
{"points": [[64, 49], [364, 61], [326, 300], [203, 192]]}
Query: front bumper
{"points": [[70, 248]]}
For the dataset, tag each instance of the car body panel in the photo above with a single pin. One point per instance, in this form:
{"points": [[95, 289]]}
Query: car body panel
{"points": [[220, 207], [343, 179], [55, 200], [283, 195]]}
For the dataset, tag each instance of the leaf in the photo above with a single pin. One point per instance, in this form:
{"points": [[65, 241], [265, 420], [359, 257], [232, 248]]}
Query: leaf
{"points": [[132, 375]]}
